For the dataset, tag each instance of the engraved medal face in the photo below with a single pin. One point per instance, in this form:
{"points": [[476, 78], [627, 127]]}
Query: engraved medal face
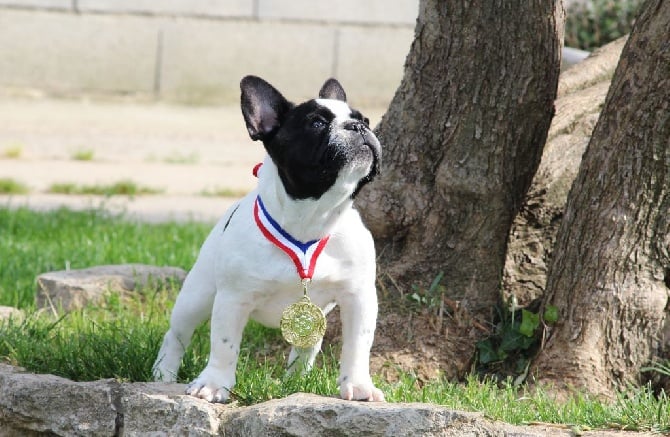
{"points": [[303, 323]]}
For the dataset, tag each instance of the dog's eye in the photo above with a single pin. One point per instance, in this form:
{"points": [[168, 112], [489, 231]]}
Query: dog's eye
{"points": [[317, 123]]}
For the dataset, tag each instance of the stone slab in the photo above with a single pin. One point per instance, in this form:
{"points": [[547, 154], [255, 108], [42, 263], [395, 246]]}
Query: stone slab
{"points": [[10, 313], [67, 52], [163, 409], [51, 405], [402, 12], [71, 289], [214, 8]]}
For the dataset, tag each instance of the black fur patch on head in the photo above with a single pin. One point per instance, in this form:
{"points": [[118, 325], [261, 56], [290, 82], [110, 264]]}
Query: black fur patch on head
{"points": [[306, 143], [308, 165]]}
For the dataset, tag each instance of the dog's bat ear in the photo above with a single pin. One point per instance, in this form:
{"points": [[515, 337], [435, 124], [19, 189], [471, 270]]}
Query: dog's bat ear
{"points": [[332, 90], [263, 107]]}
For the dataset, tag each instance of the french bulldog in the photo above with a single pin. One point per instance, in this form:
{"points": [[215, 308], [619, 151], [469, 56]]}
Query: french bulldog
{"points": [[320, 154]]}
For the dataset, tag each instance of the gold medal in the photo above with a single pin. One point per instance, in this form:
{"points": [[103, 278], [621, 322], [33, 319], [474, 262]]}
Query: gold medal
{"points": [[303, 323]]}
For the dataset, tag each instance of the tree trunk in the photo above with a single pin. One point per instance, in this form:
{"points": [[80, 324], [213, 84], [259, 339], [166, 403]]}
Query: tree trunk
{"points": [[581, 94], [462, 140], [610, 274]]}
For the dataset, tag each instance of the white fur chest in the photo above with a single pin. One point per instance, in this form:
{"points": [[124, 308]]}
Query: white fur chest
{"points": [[255, 272]]}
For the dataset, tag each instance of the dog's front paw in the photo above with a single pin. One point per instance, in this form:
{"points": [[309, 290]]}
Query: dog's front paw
{"points": [[212, 385], [360, 391]]}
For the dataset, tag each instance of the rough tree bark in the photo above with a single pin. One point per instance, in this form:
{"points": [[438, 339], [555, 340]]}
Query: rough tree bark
{"points": [[581, 94], [462, 139], [610, 274]]}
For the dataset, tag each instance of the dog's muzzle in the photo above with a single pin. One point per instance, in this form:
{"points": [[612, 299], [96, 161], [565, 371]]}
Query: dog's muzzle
{"points": [[368, 143]]}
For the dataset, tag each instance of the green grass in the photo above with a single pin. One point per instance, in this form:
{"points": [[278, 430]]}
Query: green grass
{"points": [[638, 409], [177, 158], [120, 337], [32, 243], [121, 188], [10, 186], [13, 152], [118, 342], [83, 155]]}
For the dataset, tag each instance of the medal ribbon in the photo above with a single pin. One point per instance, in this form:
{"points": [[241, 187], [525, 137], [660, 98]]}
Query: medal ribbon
{"points": [[303, 255]]}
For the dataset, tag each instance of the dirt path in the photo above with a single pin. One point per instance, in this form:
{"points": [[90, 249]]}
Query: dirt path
{"points": [[183, 152]]}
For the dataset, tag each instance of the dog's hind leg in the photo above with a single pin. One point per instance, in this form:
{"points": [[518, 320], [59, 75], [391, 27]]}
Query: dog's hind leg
{"points": [[302, 360], [193, 306]]}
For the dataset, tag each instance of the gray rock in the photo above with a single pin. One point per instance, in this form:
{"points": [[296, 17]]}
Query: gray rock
{"points": [[47, 404], [10, 312], [71, 289], [163, 409], [50, 404], [305, 414]]}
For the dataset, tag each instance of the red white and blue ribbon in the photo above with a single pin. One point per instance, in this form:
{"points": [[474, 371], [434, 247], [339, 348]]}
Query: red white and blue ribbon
{"points": [[303, 255], [257, 167]]}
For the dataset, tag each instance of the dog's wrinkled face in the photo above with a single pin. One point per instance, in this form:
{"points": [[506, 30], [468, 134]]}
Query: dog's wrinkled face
{"points": [[314, 143]]}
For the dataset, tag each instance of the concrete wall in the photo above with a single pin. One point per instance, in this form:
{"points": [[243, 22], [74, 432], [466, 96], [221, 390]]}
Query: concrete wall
{"points": [[198, 50]]}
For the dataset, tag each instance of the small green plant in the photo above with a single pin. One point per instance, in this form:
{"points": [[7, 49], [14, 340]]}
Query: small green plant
{"points": [[658, 375], [192, 158], [224, 192], [64, 188], [10, 186], [589, 25], [13, 152], [429, 298], [121, 188], [659, 367], [83, 155], [513, 342]]}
